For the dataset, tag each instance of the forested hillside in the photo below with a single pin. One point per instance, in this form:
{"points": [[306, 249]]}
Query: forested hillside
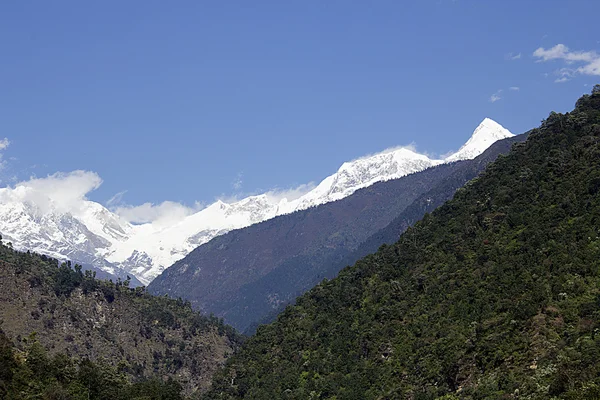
{"points": [[123, 334], [495, 294], [428, 201], [32, 373]]}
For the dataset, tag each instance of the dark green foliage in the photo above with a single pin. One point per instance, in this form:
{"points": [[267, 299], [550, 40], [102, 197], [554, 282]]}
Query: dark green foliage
{"points": [[33, 373], [67, 279], [495, 295], [7, 364]]}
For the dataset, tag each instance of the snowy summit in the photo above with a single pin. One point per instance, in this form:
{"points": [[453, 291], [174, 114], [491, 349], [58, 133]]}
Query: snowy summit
{"points": [[33, 220]]}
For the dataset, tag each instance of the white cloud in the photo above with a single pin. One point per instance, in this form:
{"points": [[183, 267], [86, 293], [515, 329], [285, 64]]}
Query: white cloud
{"points": [[514, 88], [4, 143], [411, 146], [166, 213], [67, 193], [276, 195], [64, 192], [238, 182], [512, 56], [564, 74], [589, 61], [591, 68], [496, 96], [562, 52], [273, 195], [116, 199]]}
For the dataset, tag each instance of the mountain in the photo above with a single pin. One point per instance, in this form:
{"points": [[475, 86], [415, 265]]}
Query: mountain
{"points": [[485, 135], [94, 236], [44, 227], [246, 274], [427, 202], [493, 295], [72, 315]]}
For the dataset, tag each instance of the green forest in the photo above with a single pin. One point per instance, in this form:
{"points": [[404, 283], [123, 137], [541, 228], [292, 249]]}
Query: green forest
{"points": [[34, 374], [494, 295], [74, 337]]}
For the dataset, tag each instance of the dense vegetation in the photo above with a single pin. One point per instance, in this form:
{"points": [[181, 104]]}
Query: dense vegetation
{"points": [[123, 335], [249, 274], [496, 294], [33, 374]]}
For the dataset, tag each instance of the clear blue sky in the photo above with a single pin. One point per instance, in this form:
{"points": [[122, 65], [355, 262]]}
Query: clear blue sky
{"points": [[175, 100]]}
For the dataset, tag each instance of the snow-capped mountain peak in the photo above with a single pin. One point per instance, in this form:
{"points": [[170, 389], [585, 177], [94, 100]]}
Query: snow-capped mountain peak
{"points": [[88, 232], [365, 171], [488, 132]]}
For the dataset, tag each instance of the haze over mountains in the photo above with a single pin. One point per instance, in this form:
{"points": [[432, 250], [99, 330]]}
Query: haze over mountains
{"points": [[32, 218]]}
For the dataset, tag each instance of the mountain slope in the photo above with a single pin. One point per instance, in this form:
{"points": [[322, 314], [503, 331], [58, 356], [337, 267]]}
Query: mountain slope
{"points": [[244, 275], [33, 218], [73, 313], [429, 201], [31, 373], [493, 295]]}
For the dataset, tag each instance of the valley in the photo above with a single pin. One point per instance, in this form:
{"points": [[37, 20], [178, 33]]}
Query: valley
{"points": [[300, 200]]}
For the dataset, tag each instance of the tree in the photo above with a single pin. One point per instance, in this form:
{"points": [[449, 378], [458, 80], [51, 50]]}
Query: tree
{"points": [[596, 89]]}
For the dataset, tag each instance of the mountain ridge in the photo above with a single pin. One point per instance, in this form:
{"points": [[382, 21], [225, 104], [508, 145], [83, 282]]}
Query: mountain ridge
{"points": [[31, 220], [246, 274]]}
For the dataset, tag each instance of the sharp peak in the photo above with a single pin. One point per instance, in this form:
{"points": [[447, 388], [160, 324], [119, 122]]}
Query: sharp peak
{"points": [[488, 122], [488, 132]]}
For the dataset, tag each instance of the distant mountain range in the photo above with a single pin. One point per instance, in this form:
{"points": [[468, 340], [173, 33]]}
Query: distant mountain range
{"points": [[247, 275], [99, 238]]}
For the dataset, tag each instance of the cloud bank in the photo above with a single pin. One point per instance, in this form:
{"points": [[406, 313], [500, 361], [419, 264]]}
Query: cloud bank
{"points": [[166, 213], [64, 192], [276, 195]]}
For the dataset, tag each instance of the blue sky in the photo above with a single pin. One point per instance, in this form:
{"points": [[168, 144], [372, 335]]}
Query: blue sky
{"points": [[190, 101]]}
